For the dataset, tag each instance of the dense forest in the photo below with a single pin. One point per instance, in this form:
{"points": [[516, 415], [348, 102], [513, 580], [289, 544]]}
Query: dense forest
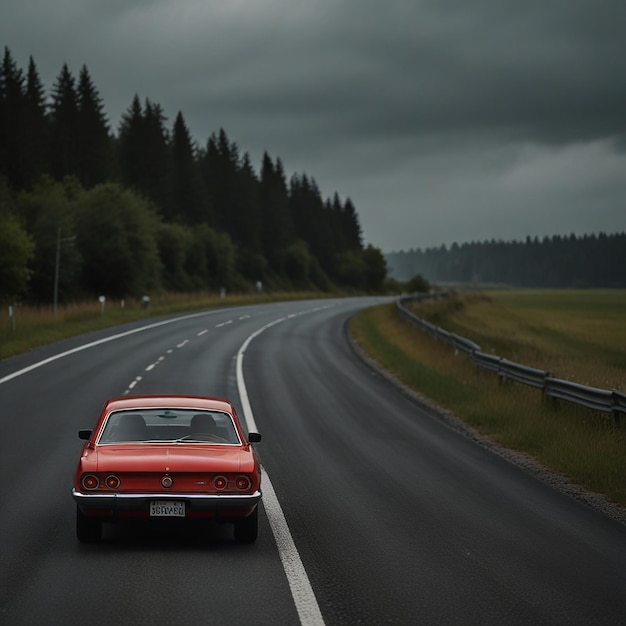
{"points": [[588, 261], [146, 208]]}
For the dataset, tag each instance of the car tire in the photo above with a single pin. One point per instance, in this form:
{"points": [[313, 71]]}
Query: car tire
{"points": [[246, 530], [88, 530]]}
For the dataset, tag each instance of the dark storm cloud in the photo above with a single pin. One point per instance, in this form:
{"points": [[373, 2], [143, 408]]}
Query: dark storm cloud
{"points": [[442, 119], [545, 69]]}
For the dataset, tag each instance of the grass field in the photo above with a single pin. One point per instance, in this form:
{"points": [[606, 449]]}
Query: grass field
{"points": [[576, 335]]}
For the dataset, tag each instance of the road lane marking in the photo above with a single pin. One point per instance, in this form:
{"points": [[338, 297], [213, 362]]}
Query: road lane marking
{"points": [[98, 342], [56, 357], [241, 385], [301, 591], [299, 584]]}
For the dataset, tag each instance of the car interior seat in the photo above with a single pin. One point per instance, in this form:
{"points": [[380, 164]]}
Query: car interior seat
{"points": [[132, 427], [203, 423]]}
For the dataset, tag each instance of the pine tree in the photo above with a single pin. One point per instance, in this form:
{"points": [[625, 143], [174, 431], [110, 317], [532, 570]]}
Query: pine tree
{"points": [[35, 137], [12, 103], [156, 155], [249, 230], [210, 172], [228, 152], [144, 153], [220, 170], [251, 262], [339, 236], [307, 213], [94, 142], [278, 230], [130, 147], [64, 127], [188, 197], [351, 226]]}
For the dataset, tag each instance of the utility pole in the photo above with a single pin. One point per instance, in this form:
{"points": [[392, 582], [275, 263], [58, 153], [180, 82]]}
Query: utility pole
{"points": [[57, 267]]}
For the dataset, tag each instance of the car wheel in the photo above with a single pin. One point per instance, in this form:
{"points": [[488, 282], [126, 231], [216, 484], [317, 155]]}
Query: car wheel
{"points": [[88, 530], [247, 529]]}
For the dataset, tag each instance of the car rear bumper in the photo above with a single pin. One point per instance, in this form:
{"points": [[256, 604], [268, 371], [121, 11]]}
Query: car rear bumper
{"points": [[197, 505]]}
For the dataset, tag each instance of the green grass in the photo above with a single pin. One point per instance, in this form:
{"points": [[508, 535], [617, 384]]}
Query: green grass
{"points": [[570, 440]]}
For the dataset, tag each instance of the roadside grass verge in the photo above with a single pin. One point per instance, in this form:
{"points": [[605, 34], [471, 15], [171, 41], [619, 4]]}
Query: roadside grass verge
{"points": [[576, 335], [581, 444], [31, 327]]}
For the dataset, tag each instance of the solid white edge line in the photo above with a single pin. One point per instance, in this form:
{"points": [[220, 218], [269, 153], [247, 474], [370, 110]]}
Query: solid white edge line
{"points": [[299, 584], [241, 385], [80, 348]]}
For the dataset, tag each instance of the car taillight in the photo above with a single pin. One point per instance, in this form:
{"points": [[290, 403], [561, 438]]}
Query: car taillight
{"points": [[220, 483], [243, 483], [112, 482], [90, 482]]}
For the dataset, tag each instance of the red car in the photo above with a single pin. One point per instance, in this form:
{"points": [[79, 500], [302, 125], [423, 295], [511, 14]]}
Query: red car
{"points": [[182, 457]]}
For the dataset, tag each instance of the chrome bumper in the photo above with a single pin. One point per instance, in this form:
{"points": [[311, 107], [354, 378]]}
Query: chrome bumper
{"points": [[123, 502]]}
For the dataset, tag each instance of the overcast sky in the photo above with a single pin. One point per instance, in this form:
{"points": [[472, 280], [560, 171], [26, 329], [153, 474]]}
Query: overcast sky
{"points": [[443, 120]]}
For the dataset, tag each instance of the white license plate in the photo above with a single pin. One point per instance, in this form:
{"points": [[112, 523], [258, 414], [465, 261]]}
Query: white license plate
{"points": [[167, 508]]}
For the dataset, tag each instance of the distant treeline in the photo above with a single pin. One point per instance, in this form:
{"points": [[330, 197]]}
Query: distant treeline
{"points": [[146, 208], [587, 261]]}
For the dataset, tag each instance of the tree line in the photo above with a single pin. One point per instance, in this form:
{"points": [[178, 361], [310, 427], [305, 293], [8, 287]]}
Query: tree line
{"points": [[570, 261], [146, 208]]}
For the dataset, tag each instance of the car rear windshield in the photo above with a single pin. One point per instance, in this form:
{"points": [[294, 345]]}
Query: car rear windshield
{"points": [[169, 426]]}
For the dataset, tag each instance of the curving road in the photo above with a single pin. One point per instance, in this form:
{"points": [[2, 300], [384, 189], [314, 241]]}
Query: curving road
{"points": [[391, 517]]}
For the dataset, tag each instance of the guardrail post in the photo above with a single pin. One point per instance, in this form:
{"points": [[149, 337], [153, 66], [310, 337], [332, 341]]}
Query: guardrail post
{"points": [[619, 407]]}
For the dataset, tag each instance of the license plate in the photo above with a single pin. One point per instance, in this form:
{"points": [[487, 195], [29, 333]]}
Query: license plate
{"points": [[167, 508]]}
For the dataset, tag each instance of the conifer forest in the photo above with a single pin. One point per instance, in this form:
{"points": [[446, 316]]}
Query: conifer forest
{"points": [[144, 208], [572, 261]]}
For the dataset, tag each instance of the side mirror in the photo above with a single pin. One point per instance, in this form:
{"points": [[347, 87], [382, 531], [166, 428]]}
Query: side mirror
{"points": [[84, 434], [254, 437]]}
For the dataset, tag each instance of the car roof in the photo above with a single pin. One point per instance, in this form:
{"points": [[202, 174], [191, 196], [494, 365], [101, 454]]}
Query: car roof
{"points": [[168, 401]]}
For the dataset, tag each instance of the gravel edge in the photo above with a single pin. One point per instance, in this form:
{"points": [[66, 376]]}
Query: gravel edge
{"points": [[525, 462]]}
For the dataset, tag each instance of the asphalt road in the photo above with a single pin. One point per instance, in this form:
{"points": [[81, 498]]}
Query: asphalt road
{"points": [[392, 517]]}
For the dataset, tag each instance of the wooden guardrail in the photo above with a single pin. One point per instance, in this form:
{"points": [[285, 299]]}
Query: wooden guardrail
{"points": [[607, 401]]}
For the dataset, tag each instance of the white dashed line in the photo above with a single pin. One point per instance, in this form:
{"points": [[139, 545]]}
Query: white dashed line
{"points": [[132, 385], [91, 344]]}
